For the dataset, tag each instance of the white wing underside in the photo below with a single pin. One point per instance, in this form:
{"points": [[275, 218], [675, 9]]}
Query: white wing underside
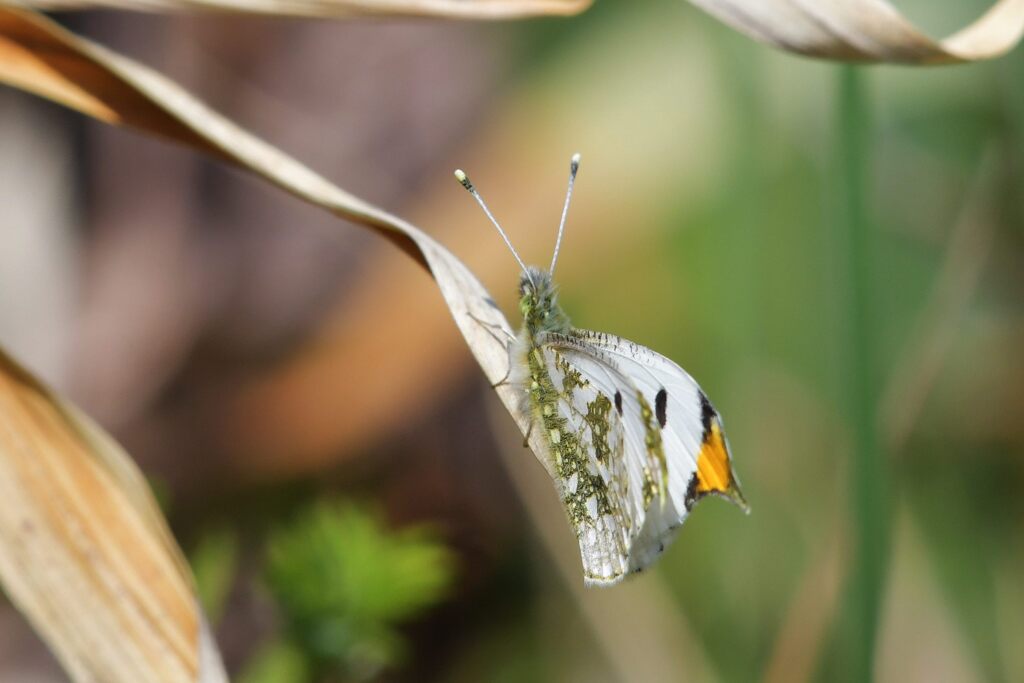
{"points": [[647, 501]]}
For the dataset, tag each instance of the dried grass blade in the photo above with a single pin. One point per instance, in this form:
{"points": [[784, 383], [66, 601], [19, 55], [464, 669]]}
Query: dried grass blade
{"points": [[38, 55], [84, 551], [451, 9], [867, 30]]}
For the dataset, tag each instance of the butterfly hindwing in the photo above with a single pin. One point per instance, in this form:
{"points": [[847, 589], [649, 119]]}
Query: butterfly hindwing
{"points": [[585, 438]]}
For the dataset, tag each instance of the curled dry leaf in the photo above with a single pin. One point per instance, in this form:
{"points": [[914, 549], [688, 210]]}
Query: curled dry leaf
{"points": [[38, 55], [867, 30], [851, 30], [84, 550], [453, 9]]}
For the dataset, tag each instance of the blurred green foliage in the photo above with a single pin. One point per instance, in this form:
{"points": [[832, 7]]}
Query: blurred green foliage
{"points": [[343, 585], [214, 564], [280, 662]]}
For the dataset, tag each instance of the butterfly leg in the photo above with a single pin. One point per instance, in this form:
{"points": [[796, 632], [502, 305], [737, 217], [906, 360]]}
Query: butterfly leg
{"points": [[490, 327], [508, 373], [529, 433]]}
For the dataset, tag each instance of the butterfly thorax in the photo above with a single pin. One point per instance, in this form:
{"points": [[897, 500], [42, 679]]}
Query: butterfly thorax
{"points": [[538, 304]]}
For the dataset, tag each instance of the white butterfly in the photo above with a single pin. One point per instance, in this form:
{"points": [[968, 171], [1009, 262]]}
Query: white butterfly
{"points": [[630, 439]]}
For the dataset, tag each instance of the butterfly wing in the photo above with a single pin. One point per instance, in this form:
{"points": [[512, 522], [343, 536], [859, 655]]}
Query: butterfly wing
{"points": [[674, 450], [576, 405]]}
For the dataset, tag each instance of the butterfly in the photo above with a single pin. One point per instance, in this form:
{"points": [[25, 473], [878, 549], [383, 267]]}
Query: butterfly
{"points": [[630, 439]]}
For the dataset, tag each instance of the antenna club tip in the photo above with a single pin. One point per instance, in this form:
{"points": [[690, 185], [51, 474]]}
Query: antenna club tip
{"points": [[461, 176], [574, 163]]}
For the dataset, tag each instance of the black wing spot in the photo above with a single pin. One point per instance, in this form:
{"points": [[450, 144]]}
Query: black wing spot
{"points": [[707, 413], [618, 402], [691, 492], [660, 404]]}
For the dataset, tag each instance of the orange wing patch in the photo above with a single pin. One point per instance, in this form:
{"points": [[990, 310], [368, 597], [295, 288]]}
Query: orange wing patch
{"points": [[714, 471]]}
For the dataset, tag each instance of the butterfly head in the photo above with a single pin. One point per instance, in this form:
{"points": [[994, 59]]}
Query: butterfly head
{"points": [[538, 302], [536, 291]]}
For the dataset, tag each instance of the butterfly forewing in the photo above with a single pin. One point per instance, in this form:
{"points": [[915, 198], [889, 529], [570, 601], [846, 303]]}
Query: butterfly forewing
{"points": [[674, 448]]}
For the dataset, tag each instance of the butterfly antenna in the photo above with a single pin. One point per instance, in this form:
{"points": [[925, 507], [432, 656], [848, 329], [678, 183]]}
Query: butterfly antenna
{"points": [[464, 179], [574, 167]]}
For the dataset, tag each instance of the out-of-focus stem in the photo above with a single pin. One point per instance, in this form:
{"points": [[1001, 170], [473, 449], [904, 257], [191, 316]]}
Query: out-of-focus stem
{"points": [[867, 470]]}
